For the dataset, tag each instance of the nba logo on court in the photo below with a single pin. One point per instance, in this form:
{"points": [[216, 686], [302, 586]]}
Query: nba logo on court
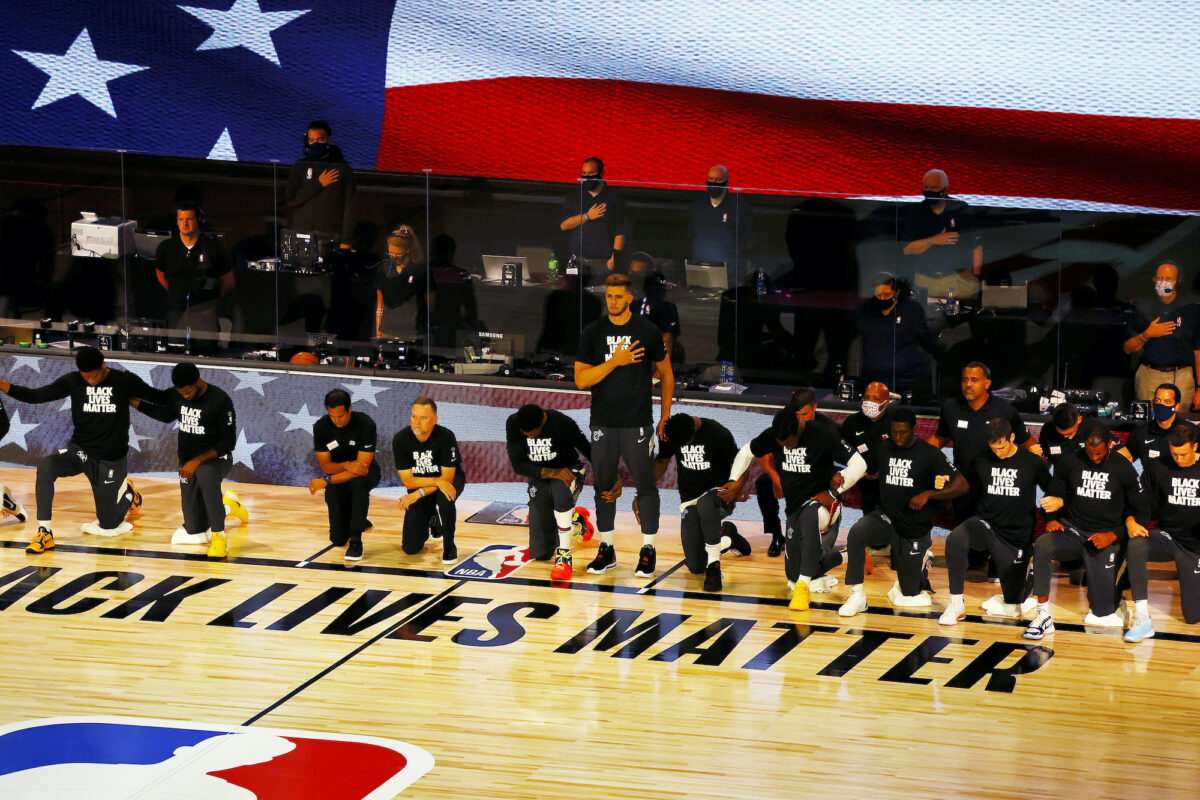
{"points": [[492, 563], [105, 758]]}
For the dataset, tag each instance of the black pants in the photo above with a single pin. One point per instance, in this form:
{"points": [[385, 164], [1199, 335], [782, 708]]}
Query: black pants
{"points": [[768, 505], [432, 509], [700, 525], [908, 552], [807, 551], [547, 495], [202, 497], [106, 477], [1012, 562], [348, 503], [635, 446], [1102, 566], [1160, 545]]}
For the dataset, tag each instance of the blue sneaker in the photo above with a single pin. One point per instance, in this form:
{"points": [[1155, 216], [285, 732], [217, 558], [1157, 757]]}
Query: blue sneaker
{"points": [[1142, 628]]}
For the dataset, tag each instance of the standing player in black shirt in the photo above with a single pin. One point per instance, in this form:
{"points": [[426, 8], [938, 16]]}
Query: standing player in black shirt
{"points": [[1103, 499], [704, 451], [911, 473], [545, 447], [1174, 492], [1002, 525], [344, 440], [430, 467], [207, 435], [617, 358], [98, 448], [864, 431], [1148, 440]]}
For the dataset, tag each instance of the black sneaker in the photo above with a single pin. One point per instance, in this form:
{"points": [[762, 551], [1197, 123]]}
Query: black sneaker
{"points": [[449, 553], [606, 559], [646, 561], [776, 548], [739, 544], [354, 550], [712, 577]]}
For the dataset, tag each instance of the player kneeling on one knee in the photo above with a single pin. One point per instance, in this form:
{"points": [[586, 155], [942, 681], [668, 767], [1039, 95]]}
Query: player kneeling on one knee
{"points": [[345, 440], [430, 467]]}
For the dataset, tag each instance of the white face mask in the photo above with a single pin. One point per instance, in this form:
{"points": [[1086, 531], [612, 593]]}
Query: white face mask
{"points": [[1164, 288], [872, 409]]}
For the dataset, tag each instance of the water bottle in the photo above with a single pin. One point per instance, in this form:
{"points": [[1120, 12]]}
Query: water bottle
{"points": [[726, 372], [760, 283], [553, 266], [951, 303]]}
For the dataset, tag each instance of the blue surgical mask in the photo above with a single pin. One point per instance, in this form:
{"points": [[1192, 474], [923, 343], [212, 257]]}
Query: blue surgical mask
{"points": [[1163, 413]]}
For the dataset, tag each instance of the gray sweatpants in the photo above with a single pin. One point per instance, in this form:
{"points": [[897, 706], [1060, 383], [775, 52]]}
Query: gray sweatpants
{"points": [[636, 447], [203, 498], [106, 477]]}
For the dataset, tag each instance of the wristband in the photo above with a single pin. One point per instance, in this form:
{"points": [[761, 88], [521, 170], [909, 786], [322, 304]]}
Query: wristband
{"points": [[421, 491], [1142, 336]]}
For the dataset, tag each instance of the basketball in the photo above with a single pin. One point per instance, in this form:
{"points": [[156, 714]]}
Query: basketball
{"points": [[305, 357]]}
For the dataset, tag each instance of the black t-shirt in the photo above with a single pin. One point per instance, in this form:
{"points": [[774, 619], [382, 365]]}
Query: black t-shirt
{"points": [[895, 346], [664, 314], [1055, 446], [206, 422], [321, 208], [1148, 440], [193, 274], [720, 233], [806, 469], [1098, 497], [398, 288], [557, 445], [945, 259], [905, 473], [344, 444], [1174, 494], [1175, 349], [968, 427], [426, 459], [622, 399], [594, 239], [705, 461], [100, 413], [1008, 493]]}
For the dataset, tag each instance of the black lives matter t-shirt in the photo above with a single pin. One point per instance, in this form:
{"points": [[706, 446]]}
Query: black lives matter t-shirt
{"points": [[967, 427], [1008, 493], [426, 459], [806, 469], [206, 422], [622, 399], [557, 445], [1098, 497], [905, 473], [1174, 494], [344, 444], [704, 462], [1148, 440], [1055, 446], [100, 413]]}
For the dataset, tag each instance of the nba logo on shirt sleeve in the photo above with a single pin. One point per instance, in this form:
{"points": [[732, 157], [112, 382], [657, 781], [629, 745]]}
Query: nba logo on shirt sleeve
{"points": [[105, 758]]}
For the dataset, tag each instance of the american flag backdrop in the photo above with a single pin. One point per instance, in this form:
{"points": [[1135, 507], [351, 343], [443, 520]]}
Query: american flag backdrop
{"points": [[1079, 103]]}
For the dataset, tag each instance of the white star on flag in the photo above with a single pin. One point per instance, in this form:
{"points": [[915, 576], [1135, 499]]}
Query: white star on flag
{"points": [[78, 71], [363, 390], [30, 362], [253, 380], [244, 24], [135, 441], [66, 406], [143, 369], [301, 420], [243, 450], [17, 431], [223, 149]]}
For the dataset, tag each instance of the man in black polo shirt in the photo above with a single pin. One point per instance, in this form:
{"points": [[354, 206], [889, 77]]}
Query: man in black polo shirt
{"points": [[98, 447], [939, 235], [345, 440], [911, 473], [617, 358], [1166, 332], [1148, 440], [1003, 525], [864, 430], [719, 227], [1173, 489], [431, 468], [545, 447], [896, 340], [193, 269], [703, 450], [596, 221]]}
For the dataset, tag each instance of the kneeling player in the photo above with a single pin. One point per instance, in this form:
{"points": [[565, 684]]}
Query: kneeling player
{"points": [[704, 452], [545, 446], [1008, 477], [344, 440], [911, 473], [430, 467], [1175, 502]]}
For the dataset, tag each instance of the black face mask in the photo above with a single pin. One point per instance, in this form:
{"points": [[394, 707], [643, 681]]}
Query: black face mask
{"points": [[715, 189], [934, 197], [881, 306], [318, 150], [591, 182]]}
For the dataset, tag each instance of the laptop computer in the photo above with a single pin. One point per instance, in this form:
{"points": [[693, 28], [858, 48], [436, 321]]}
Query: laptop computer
{"points": [[145, 243], [706, 274], [504, 270]]}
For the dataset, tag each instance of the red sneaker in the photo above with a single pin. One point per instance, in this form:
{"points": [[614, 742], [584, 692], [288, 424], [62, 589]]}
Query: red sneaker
{"points": [[561, 571]]}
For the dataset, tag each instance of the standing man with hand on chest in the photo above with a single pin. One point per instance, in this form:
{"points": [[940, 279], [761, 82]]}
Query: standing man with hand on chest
{"points": [[1165, 333]]}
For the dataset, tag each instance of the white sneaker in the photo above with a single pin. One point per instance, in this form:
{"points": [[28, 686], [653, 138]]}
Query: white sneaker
{"points": [[908, 601], [822, 584], [95, 530], [855, 604], [955, 612], [11, 508], [1042, 625], [995, 606], [1114, 620], [181, 536]]}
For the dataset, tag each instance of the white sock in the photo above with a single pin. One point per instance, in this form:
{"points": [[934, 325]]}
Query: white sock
{"points": [[725, 543], [648, 539], [957, 598], [564, 538], [1044, 606], [807, 581], [858, 589], [44, 523], [607, 537], [714, 552], [228, 512], [1142, 607], [563, 518]]}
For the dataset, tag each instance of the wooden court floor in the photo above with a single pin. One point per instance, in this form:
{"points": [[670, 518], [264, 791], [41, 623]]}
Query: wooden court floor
{"points": [[611, 687]]}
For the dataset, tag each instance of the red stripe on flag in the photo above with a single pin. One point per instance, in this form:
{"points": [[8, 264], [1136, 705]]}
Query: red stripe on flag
{"points": [[542, 128]]}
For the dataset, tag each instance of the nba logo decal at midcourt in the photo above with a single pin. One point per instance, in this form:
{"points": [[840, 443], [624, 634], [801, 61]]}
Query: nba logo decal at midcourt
{"points": [[105, 758], [492, 563]]}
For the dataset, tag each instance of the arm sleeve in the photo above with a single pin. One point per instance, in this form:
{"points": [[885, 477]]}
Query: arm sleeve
{"points": [[1042, 478], [228, 429], [741, 463], [518, 453], [43, 394], [853, 472]]}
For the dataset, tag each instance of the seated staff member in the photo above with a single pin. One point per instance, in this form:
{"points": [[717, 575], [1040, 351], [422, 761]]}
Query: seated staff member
{"points": [[430, 467], [911, 473], [1061, 437], [1100, 498], [545, 446], [1173, 490], [703, 450], [864, 430], [345, 440], [1002, 525], [207, 435], [98, 447], [1148, 440]]}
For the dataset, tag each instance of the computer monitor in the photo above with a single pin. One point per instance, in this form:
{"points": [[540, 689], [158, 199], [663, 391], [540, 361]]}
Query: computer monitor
{"points": [[504, 270]]}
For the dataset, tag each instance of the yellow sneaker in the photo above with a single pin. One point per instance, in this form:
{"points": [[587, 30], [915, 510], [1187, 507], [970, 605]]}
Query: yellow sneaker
{"points": [[800, 597], [135, 505], [235, 507], [217, 546], [43, 540]]}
